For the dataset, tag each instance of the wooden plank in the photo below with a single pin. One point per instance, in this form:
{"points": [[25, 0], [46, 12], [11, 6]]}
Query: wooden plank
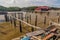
{"points": [[35, 33]]}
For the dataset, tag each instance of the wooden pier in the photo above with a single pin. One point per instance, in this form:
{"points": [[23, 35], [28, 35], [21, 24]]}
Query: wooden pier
{"points": [[37, 20]]}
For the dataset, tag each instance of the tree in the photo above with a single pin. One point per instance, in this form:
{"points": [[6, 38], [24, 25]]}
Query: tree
{"points": [[32, 8], [2, 8], [14, 9]]}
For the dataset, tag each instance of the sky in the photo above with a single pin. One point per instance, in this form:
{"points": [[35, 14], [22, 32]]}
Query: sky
{"points": [[26, 3]]}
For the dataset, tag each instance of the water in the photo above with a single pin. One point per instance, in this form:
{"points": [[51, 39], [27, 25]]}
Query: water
{"points": [[2, 18]]}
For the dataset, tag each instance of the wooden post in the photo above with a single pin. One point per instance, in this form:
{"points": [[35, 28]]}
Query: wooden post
{"points": [[10, 19], [57, 14], [25, 16], [20, 17], [27, 19], [36, 21], [6, 18], [15, 21], [30, 19], [59, 19], [45, 20], [32, 29], [15, 14], [48, 14]]}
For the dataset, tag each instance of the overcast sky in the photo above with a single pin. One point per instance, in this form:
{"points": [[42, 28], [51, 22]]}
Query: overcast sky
{"points": [[25, 3]]}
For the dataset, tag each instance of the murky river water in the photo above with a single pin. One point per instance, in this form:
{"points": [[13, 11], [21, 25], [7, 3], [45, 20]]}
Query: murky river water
{"points": [[2, 18]]}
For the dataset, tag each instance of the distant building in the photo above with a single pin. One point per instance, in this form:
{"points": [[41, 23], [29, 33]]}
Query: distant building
{"points": [[42, 8]]}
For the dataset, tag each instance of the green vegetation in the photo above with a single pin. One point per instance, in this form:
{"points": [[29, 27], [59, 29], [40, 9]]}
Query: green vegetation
{"points": [[55, 8], [2, 8], [13, 9], [31, 8]]}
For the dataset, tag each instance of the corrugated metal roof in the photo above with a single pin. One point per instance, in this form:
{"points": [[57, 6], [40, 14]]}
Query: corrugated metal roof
{"points": [[42, 7]]}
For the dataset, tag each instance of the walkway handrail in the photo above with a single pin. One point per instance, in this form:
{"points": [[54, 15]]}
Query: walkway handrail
{"points": [[26, 23], [53, 23]]}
